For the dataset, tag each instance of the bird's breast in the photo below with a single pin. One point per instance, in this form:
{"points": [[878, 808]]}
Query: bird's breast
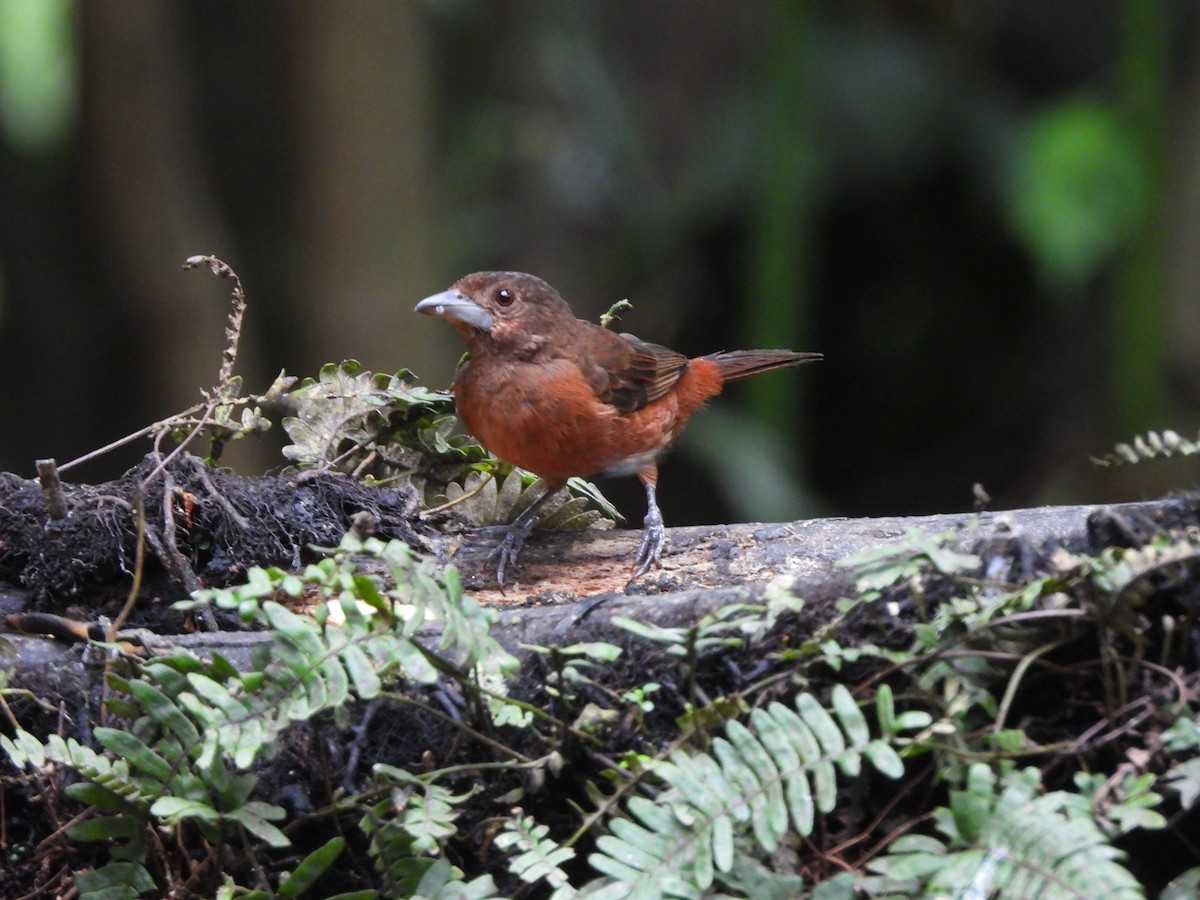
{"points": [[545, 417]]}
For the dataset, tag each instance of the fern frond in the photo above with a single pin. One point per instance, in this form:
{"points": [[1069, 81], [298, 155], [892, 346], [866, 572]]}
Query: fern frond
{"points": [[112, 775], [443, 881], [539, 858], [1016, 841], [115, 881], [879, 567], [412, 823], [194, 730], [1134, 573], [1149, 446], [112, 785], [1183, 737], [314, 664], [724, 627], [762, 781]]}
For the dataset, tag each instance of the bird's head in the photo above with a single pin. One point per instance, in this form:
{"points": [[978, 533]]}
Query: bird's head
{"points": [[508, 310]]}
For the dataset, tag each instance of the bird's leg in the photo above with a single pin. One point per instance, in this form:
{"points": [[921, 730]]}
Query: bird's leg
{"points": [[650, 552], [506, 552]]}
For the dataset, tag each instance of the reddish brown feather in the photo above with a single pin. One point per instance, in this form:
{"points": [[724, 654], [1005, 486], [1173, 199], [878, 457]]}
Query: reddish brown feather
{"points": [[735, 364]]}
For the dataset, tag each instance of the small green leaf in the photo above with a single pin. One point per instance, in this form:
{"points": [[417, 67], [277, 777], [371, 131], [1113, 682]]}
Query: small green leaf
{"points": [[165, 712], [913, 720], [885, 760], [222, 669], [129, 748], [172, 809], [833, 743], [851, 717], [97, 795], [1185, 887], [116, 879], [312, 867], [722, 844], [216, 695], [253, 817], [362, 672], [368, 591], [104, 828], [597, 650], [656, 633], [25, 750]]}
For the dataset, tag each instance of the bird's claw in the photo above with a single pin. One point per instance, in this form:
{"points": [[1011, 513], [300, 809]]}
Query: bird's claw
{"points": [[506, 552], [653, 539]]}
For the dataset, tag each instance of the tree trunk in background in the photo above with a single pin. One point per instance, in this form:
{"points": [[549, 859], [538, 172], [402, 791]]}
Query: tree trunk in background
{"points": [[153, 196], [368, 199], [1182, 256]]}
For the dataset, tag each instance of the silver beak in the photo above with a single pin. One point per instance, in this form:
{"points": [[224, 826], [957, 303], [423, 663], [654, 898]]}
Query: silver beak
{"points": [[453, 306]]}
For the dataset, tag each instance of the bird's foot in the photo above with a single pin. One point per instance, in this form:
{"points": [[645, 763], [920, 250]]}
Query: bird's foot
{"points": [[506, 552], [653, 539]]}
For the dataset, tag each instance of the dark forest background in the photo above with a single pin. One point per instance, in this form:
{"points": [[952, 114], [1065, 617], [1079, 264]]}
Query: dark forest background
{"points": [[986, 214]]}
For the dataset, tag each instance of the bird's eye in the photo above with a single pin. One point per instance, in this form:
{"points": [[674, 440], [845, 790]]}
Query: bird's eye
{"points": [[505, 297]]}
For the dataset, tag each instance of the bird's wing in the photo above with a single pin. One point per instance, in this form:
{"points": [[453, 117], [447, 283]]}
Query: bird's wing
{"points": [[630, 373]]}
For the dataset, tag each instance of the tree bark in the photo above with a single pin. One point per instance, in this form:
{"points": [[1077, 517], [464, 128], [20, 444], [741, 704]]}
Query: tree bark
{"points": [[581, 578]]}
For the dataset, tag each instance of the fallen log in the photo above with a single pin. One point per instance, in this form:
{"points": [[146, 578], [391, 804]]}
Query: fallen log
{"points": [[571, 584]]}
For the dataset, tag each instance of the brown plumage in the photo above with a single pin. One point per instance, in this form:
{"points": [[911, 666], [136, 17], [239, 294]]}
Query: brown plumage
{"points": [[562, 397]]}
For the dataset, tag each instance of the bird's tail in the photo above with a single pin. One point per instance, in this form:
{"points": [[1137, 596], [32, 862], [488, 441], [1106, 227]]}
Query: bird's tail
{"points": [[735, 364]]}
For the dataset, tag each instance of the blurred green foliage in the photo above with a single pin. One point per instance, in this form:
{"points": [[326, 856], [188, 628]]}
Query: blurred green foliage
{"points": [[38, 73], [1082, 187]]}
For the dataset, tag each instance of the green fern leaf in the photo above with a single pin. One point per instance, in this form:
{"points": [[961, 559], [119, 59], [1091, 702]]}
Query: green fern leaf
{"points": [[256, 816], [540, 858], [632, 855], [134, 751], [784, 749], [443, 881], [823, 790], [175, 809], [115, 881], [1149, 446], [1017, 842], [106, 828], [362, 672], [312, 867], [1185, 887], [164, 711], [24, 750], [749, 878], [92, 794], [760, 780], [112, 775], [854, 723], [217, 696], [827, 733], [1184, 778]]}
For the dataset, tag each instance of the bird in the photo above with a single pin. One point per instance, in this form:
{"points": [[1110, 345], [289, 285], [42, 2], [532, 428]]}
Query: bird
{"points": [[562, 397]]}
